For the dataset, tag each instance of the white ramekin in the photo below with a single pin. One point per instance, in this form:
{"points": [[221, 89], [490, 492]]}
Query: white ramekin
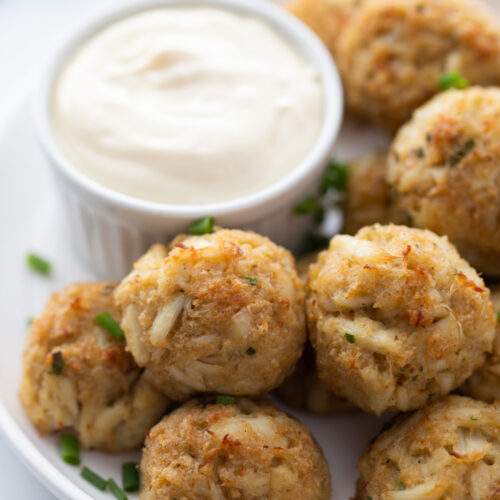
{"points": [[109, 230]]}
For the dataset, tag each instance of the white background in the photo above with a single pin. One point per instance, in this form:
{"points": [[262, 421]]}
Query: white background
{"points": [[29, 29]]}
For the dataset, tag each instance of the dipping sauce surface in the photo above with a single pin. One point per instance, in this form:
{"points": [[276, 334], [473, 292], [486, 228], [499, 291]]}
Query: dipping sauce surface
{"points": [[187, 105]]}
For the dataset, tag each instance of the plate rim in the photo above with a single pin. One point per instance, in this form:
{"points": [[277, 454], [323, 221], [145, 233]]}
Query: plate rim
{"points": [[17, 440], [51, 477]]}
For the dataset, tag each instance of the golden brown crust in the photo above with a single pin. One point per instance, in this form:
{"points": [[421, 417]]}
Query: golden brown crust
{"points": [[445, 169], [99, 393], [247, 450], [396, 317], [449, 450], [393, 52], [368, 195], [220, 313]]}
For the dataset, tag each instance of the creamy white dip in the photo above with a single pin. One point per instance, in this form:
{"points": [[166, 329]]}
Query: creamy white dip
{"points": [[187, 105]]}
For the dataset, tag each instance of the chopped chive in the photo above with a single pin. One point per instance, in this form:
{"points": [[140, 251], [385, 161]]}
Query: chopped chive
{"points": [[38, 264], [335, 177], [461, 152], [310, 206], [93, 478], [350, 338], [106, 321], [498, 317], [130, 477], [116, 490], [225, 400], [251, 351], [201, 226], [251, 280], [57, 363], [70, 449], [401, 485], [453, 80], [474, 417]]}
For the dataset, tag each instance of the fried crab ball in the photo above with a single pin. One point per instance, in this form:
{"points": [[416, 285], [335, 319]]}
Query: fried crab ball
{"points": [[449, 450], [393, 53], [222, 312], [484, 383], [240, 449], [396, 317], [327, 18], [77, 377], [368, 195], [444, 166]]}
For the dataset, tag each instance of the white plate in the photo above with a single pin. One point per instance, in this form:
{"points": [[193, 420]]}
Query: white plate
{"points": [[30, 220]]}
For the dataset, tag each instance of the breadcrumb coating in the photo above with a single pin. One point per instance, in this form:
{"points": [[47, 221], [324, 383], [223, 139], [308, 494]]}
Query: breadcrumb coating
{"points": [[449, 450], [396, 317], [95, 388], [246, 449], [222, 312]]}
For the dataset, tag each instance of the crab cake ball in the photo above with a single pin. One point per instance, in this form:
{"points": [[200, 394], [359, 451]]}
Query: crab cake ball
{"points": [[222, 312], [396, 317], [368, 195], [445, 169], [327, 18], [393, 52], [77, 376], [484, 383], [447, 450], [240, 449]]}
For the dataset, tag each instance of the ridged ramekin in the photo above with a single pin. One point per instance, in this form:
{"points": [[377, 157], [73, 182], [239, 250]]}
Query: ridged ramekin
{"points": [[109, 229]]}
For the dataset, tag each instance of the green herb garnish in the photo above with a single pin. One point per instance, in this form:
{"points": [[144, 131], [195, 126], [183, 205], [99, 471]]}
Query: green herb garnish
{"points": [[350, 338], [251, 351], [57, 363], [116, 490], [401, 485], [70, 449], [106, 321], [225, 400], [310, 206], [335, 177], [498, 317], [251, 280], [130, 477], [453, 80], [201, 226], [461, 152], [38, 264], [93, 478], [474, 417]]}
